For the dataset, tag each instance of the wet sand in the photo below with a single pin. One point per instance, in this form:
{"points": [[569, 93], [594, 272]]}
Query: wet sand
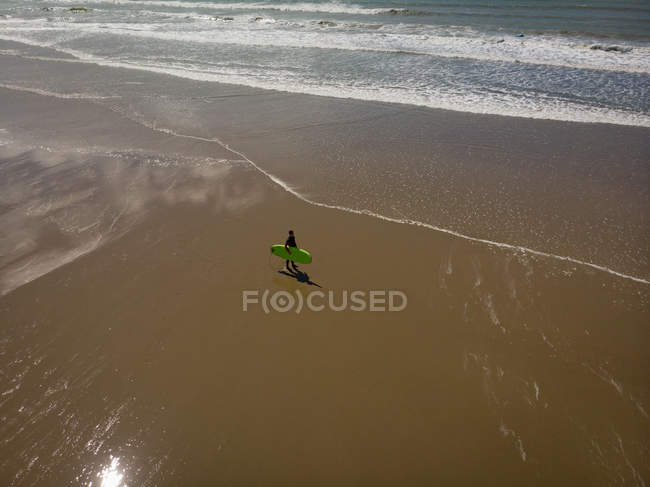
{"points": [[131, 355]]}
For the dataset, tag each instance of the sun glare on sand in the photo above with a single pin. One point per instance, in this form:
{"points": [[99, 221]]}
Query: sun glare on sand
{"points": [[110, 476]]}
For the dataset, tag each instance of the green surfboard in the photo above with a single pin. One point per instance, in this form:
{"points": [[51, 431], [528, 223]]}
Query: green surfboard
{"points": [[297, 255]]}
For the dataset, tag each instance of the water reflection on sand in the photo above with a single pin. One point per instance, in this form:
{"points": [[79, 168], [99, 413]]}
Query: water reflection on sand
{"points": [[57, 205]]}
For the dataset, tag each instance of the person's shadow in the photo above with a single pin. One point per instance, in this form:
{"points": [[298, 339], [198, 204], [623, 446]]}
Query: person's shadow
{"points": [[299, 276]]}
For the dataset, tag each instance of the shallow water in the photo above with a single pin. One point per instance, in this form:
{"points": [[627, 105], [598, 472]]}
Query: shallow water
{"points": [[461, 56]]}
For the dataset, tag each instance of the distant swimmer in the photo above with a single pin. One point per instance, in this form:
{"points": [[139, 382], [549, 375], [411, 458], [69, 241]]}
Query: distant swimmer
{"points": [[291, 242]]}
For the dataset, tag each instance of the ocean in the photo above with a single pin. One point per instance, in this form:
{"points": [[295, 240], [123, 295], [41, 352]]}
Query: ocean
{"points": [[586, 61]]}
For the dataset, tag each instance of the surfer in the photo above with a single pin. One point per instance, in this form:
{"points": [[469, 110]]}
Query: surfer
{"points": [[291, 242]]}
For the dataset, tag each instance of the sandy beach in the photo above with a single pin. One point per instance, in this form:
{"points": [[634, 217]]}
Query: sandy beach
{"points": [[132, 226]]}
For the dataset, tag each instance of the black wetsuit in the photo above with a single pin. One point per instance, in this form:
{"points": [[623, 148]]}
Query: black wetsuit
{"points": [[291, 242]]}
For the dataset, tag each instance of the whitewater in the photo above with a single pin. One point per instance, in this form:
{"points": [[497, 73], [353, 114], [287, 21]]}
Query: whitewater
{"points": [[492, 59]]}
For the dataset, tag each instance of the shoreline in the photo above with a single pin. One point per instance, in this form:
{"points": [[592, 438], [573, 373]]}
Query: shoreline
{"points": [[286, 187], [235, 139], [502, 245]]}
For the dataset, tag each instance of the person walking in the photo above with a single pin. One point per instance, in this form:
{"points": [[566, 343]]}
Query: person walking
{"points": [[291, 242]]}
